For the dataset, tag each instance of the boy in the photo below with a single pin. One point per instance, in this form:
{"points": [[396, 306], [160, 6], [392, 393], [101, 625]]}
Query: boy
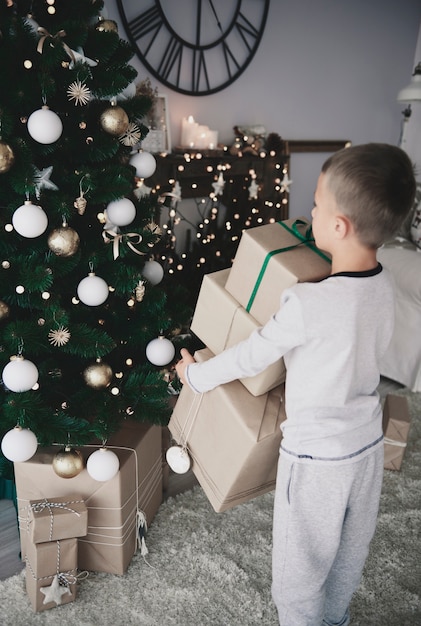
{"points": [[332, 335]]}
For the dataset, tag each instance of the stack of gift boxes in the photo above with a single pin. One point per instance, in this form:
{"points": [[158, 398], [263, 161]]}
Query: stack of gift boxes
{"points": [[51, 529], [118, 510], [233, 432]]}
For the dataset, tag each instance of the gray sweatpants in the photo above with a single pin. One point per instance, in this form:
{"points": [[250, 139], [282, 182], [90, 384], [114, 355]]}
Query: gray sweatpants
{"points": [[324, 519]]}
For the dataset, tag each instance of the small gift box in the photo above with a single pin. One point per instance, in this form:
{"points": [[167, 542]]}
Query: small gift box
{"points": [[51, 573], [49, 519], [396, 423], [232, 437], [271, 258], [221, 322]]}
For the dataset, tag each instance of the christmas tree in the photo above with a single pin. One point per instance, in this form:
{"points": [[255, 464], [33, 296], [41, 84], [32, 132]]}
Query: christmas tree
{"points": [[86, 321]]}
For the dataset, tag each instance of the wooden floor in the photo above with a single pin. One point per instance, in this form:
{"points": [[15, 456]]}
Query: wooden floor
{"points": [[174, 484]]}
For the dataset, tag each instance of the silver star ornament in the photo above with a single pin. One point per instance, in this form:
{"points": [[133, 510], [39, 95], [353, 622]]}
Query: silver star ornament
{"points": [[42, 180], [54, 592]]}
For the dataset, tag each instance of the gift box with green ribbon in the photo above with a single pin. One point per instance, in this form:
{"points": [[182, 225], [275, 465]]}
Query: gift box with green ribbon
{"points": [[271, 258], [221, 322]]}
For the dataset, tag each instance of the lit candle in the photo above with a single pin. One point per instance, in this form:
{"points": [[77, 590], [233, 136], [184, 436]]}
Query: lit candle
{"points": [[188, 132], [212, 139]]}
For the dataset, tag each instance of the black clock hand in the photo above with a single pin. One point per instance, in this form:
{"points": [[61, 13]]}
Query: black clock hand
{"points": [[216, 16]]}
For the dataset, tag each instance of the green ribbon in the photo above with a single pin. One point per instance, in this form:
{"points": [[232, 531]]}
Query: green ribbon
{"points": [[306, 239]]}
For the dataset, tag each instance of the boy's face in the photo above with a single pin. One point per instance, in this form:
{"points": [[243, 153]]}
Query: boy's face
{"points": [[324, 213]]}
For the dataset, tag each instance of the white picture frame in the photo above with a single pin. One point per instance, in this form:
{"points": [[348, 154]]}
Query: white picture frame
{"points": [[158, 139]]}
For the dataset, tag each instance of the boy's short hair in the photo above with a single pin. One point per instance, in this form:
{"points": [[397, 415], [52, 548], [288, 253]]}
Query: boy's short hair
{"points": [[374, 186]]}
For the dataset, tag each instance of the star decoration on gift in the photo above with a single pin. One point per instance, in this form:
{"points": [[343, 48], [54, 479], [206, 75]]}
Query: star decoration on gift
{"points": [[59, 337], [285, 183], [253, 189], [79, 92], [54, 592], [42, 180], [132, 135], [218, 186]]}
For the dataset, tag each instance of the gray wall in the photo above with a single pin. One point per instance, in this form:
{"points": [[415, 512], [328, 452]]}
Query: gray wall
{"points": [[325, 69]]}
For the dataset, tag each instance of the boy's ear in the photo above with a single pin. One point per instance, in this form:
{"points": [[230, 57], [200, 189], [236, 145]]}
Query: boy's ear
{"points": [[343, 226]]}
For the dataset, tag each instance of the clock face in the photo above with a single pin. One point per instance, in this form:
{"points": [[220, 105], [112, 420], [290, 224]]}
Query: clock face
{"points": [[195, 47]]}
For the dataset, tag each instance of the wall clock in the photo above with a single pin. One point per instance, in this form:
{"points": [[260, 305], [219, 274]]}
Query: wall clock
{"points": [[196, 47]]}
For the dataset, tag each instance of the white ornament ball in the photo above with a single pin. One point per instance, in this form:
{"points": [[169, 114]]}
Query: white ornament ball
{"points": [[144, 163], [153, 272], [19, 444], [45, 126], [121, 212], [29, 220], [92, 290], [20, 374], [160, 351], [103, 464]]}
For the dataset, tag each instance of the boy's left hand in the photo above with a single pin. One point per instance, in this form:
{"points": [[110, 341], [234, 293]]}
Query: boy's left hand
{"points": [[180, 367]]}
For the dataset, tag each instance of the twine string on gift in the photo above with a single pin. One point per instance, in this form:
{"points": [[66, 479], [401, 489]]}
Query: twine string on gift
{"points": [[189, 423], [38, 507], [65, 578], [306, 239], [394, 442]]}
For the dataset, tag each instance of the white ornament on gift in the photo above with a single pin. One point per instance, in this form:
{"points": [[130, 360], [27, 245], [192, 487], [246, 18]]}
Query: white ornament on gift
{"points": [[29, 220], [121, 212], [160, 351], [20, 374], [92, 290], [103, 464], [19, 444], [178, 459], [44, 125], [153, 272], [144, 163]]}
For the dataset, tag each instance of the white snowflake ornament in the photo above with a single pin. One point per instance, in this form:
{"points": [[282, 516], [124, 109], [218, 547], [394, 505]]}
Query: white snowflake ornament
{"points": [[79, 92], [59, 337]]}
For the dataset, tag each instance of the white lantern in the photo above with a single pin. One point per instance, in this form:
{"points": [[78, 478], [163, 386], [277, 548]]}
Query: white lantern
{"points": [[144, 163], [92, 290], [20, 374], [19, 444], [160, 351], [103, 464], [29, 220], [44, 126], [153, 272], [121, 212]]}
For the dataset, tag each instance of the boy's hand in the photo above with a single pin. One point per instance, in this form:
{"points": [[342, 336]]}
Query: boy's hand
{"points": [[186, 359]]}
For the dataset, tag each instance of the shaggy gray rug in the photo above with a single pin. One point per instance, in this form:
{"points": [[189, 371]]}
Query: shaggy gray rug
{"points": [[207, 568]]}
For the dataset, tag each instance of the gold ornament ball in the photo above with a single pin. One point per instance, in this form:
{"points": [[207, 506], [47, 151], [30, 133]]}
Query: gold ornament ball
{"points": [[4, 310], [108, 26], [68, 463], [7, 158], [63, 241], [114, 120], [98, 375]]}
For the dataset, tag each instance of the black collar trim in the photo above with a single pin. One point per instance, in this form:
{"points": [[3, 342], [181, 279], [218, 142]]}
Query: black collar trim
{"points": [[364, 274]]}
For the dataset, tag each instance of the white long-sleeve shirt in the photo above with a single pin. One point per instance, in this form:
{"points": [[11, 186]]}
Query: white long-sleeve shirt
{"points": [[332, 335]]}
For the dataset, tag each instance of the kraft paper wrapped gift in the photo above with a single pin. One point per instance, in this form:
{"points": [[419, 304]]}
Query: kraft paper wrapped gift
{"points": [[49, 519], [233, 439], [45, 561], [271, 258], [396, 424], [221, 322], [113, 506]]}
